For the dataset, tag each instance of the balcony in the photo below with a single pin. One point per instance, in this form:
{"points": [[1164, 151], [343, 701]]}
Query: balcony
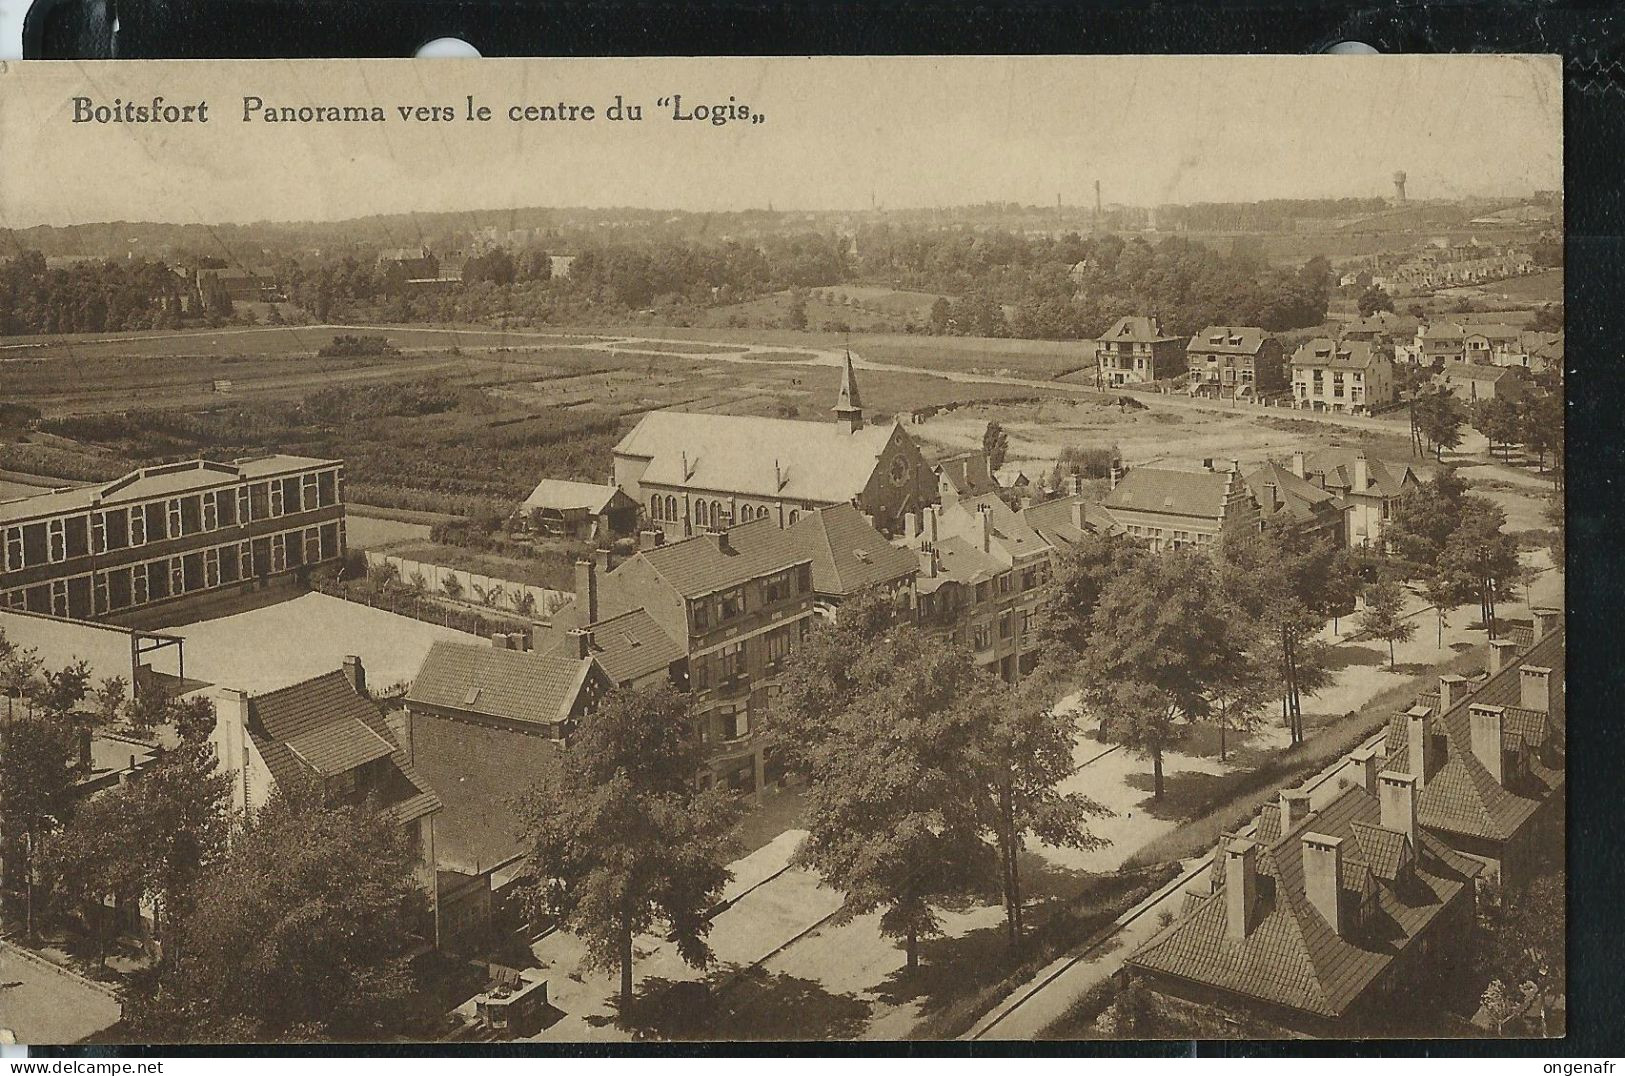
{"points": [[732, 687]]}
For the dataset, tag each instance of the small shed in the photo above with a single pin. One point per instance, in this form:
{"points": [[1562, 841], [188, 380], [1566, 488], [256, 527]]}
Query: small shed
{"points": [[584, 511]]}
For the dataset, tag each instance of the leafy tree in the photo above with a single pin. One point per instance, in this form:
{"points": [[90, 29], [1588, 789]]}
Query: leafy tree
{"points": [[1498, 420], [1444, 592], [795, 315], [1479, 551], [1525, 937], [1384, 616], [995, 445], [1078, 574], [1439, 417], [1540, 425], [38, 770], [619, 837], [97, 857], [822, 675], [939, 316], [19, 668], [1425, 517], [1372, 300], [1026, 749], [1160, 649], [302, 933], [890, 818]]}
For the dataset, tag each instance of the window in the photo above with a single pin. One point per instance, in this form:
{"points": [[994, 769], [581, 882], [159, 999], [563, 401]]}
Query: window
{"points": [[701, 514], [279, 552], [211, 567], [983, 636], [702, 673], [794, 515], [59, 597], [57, 542], [177, 575], [98, 532], [702, 614], [1029, 620], [1004, 625], [245, 501], [982, 591], [313, 545], [1029, 578], [716, 514], [732, 603], [139, 585], [307, 492], [733, 723], [211, 512], [327, 488], [780, 585], [671, 508], [1006, 582], [173, 517], [654, 507], [733, 662], [778, 645], [14, 548], [245, 560], [276, 498]]}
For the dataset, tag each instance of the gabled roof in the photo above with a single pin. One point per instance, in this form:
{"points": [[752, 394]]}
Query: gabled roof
{"points": [[1158, 489], [958, 561], [564, 496], [1473, 372], [516, 685], [1494, 332], [1337, 354], [1292, 956], [1388, 478], [699, 565], [847, 553], [1142, 329], [1296, 496], [774, 458], [628, 646], [162, 480], [1055, 523], [1441, 330], [321, 722], [1229, 340], [1010, 531]]}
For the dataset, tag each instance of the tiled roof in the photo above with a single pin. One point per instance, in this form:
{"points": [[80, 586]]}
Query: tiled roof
{"points": [[1385, 477], [1142, 329], [164, 480], [1228, 339], [1054, 522], [1297, 496], [1337, 354], [516, 685], [1474, 372], [847, 553], [1010, 530], [958, 561], [322, 723], [628, 646], [1292, 956], [773, 458], [697, 566], [564, 496], [1156, 489]]}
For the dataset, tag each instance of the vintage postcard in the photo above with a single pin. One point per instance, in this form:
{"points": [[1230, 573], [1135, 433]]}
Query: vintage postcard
{"points": [[781, 549]]}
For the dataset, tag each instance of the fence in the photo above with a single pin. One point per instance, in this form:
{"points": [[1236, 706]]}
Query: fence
{"points": [[421, 606], [484, 592]]}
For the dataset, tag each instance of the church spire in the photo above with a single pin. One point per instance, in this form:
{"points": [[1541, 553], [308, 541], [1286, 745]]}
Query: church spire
{"points": [[848, 407]]}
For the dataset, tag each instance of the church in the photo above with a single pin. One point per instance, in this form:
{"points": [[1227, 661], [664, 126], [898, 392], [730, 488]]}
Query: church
{"points": [[696, 472]]}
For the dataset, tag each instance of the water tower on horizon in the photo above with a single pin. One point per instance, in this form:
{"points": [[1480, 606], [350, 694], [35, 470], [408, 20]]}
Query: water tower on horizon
{"points": [[1399, 187]]}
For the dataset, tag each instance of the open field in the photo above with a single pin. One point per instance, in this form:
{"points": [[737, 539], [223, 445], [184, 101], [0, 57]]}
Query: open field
{"points": [[1544, 287]]}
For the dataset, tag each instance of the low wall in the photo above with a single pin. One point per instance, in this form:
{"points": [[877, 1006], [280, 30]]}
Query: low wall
{"points": [[510, 594]]}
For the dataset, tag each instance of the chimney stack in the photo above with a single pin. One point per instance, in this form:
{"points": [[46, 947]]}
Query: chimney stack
{"points": [[1323, 877], [1453, 688], [724, 543], [1116, 474], [1074, 485], [1365, 764], [356, 674], [1419, 741], [1362, 475], [1294, 809], [1487, 724], [986, 513], [911, 526], [1240, 887], [604, 558], [1503, 652], [928, 562], [1298, 464], [1397, 802], [1546, 622], [587, 590], [929, 514], [581, 642], [649, 539], [1535, 688]]}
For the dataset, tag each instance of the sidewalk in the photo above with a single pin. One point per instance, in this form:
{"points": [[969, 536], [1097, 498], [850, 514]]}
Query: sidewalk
{"points": [[43, 1004]]}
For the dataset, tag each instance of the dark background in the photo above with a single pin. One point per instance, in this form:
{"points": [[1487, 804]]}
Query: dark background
{"points": [[1591, 39]]}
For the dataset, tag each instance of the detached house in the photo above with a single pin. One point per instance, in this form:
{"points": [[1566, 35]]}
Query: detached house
{"points": [[1286, 496], [1324, 921], [1474, 384], [1235, 362], [1135, 351], [1345, 376], [1369, 488]]}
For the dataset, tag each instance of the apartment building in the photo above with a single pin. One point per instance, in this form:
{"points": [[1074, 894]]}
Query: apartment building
{"points": [[694, 472], [1136, 351], [162, 534], [1230, 362], [981, 576], [1344, 376]]}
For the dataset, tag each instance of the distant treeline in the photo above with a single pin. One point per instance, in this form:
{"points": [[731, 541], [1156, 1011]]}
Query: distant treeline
{"points": [[1272, 215], [108, 296]]}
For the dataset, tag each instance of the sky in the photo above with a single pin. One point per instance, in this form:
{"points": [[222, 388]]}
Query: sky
{"points": [[837, 133]]}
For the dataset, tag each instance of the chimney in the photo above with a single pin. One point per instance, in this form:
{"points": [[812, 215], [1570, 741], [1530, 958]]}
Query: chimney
{"points": [[1546, 622], [1535, 684], [1362, 476], [1074, 485], [1397, 801], [581, 642], [1294, 809], [929, 514], [587, 590], [242, 705], [602, 556], [986, 513], [1452, 689], [1365, 764], [1419, 741], [1270, 492], [649, 539], [1502, 653], [1486, 724], [1235, 465], [928, 563], [1240, 887], [911, 526], [1323, 877], [1116, 474], [356, 674], [724, 543], [499, 640], [1298, 464], [1080, 513]]}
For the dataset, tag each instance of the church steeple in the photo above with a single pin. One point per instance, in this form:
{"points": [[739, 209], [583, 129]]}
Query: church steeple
{"points": [[848, 407]]}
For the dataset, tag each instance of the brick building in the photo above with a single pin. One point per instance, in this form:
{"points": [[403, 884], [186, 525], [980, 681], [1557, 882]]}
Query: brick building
{"points": [[1370, 488], [1176, 509], [1135, 351], [174, 531], [1344, 376], [1235, 362]]}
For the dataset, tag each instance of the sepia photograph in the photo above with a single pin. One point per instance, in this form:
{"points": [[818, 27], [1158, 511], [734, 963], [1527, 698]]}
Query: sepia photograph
{"points": [[905, 549]]}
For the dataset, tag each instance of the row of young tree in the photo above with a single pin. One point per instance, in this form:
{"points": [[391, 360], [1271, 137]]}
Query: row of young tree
{"points": [[1438, 419], [290, 924]]}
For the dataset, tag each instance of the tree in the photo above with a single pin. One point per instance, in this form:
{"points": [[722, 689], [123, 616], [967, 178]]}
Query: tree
{"points": [[620, 839], [1439, 417], [1373, 299], [18, 669], [1444, 592], [1425, 517], [97, 858], [1525, 937], [1078, 574], [1540, 425], [1479, 551], [1026, 748], [995, 445], [890, 816], [1498, 420], [1161, 648], [38, 756], [1384, 616], [303, 932]]}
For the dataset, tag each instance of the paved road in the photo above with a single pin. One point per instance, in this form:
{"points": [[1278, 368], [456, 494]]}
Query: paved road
{"points": [[44, 1005]]}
